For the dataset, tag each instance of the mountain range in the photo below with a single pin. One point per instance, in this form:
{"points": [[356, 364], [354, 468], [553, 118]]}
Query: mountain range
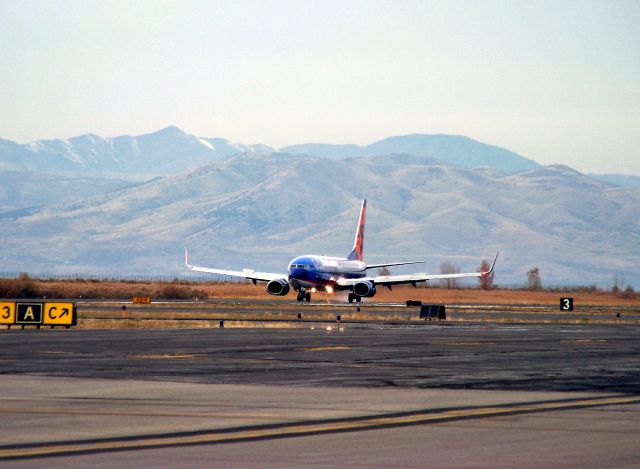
{"points": [[164, 152], [255, 207], [171, 150]]}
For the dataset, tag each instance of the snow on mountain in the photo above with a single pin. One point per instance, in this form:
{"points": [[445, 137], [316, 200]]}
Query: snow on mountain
{"points": [[167, 151], [259, 210]]}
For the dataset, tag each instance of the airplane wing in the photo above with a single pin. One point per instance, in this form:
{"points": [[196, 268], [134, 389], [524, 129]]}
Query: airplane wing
{"points": [[388, 280], [245, 273]]}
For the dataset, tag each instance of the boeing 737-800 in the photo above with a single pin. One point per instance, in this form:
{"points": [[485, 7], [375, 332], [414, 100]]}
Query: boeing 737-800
{"points": [[311, 273]]}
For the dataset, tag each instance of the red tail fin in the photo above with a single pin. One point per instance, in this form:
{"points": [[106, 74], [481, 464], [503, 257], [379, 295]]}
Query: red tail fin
{"points": [[358, 244]]}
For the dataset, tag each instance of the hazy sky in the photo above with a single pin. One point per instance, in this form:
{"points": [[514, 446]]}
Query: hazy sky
{"points": [[556, 81]]}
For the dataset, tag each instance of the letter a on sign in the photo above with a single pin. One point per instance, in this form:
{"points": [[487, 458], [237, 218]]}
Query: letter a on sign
{"points": [[28, 313]]}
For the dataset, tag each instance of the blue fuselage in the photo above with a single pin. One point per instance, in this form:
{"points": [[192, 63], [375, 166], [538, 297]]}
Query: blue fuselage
{"points": [[321, 272]]}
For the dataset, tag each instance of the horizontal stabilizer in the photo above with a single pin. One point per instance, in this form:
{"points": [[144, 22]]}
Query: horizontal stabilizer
{"points": [[375, 266]]}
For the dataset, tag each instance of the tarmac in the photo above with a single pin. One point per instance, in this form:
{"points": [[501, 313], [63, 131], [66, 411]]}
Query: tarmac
{"points": [[435, 395]]}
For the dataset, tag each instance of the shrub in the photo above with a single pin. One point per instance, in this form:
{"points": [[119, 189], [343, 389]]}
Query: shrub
{"points": [[628, 292], [534, 281], [22, 287], [180, 292]]}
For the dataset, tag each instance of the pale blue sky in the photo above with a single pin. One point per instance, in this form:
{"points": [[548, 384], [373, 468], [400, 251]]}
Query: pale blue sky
{"points": [[556, 81]]}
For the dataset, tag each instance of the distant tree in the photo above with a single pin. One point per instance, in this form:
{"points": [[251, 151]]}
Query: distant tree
{"points": [[486, 281], [449, 268], [618, 282], [383, 271], [533, 279], [628, 292]]}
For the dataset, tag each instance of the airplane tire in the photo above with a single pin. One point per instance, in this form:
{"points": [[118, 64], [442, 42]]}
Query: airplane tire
{"points": [[351, 297], [358, 298], [300, 296], [307, 297]]}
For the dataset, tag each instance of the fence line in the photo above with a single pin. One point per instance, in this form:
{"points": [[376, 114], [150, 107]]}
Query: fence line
{"points": [[121, 277]]}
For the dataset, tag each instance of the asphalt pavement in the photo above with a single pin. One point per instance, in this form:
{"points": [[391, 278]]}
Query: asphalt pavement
{"points": [[433, 395]]}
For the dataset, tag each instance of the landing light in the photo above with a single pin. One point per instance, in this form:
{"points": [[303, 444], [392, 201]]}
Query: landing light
{"points": [[313, 290], [329, 289]]}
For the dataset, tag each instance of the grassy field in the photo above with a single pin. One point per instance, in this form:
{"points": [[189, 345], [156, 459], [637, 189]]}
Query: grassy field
{"points": [[85, 289]]}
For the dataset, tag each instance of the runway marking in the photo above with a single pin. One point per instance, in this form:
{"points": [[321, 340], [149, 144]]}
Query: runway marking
{"points": [[328, 347], [230, 435], [133, 413], [166, 356], [579, 341]]}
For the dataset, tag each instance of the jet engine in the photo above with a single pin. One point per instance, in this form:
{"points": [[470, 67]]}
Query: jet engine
{"points": [[278, 287], [365, 288]]}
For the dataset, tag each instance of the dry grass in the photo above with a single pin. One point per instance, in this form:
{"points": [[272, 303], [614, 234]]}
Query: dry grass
{"points": [[25, 287], [90, 289], [89, 323], [502, 297]]}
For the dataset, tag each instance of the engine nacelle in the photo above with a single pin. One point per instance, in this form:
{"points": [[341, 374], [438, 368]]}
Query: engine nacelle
{"points": [[278, 287], [366, 289]]}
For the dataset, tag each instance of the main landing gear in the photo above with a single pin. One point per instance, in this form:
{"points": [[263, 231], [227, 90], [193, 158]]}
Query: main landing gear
{"points": [[304, 295], [353, 296]]}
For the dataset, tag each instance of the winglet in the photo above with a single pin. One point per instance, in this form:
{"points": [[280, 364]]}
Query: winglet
{"points": [[490, 271]]}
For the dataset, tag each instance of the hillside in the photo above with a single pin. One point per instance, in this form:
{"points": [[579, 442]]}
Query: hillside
{"points": [[23, 192], [260, 210]]}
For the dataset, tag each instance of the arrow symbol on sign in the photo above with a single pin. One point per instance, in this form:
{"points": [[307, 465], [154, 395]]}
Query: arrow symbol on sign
{"points": [[65, 312]]}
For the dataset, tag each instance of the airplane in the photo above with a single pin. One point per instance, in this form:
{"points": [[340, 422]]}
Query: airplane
{"points": [[311, 273]]}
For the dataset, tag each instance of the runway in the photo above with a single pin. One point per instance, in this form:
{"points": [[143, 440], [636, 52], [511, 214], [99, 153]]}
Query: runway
{"points": [[432, 355], [96, 423], [445, 395]]}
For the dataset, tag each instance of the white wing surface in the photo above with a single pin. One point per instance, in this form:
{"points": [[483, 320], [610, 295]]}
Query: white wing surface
{"points": [[388, 280], [245, 273]]}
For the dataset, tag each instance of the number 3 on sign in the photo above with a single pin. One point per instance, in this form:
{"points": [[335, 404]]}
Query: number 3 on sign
{"points": [[566, 304], [7, 312]]}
